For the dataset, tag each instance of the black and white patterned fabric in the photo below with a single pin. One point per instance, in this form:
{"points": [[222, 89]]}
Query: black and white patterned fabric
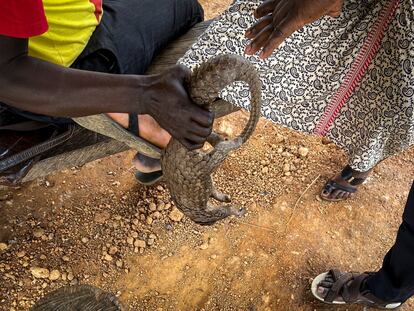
{"points": [[302, 76]]}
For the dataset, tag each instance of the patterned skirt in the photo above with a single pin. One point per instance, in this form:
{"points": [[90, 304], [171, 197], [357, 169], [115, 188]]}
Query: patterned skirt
{"points": [[350, 78]]}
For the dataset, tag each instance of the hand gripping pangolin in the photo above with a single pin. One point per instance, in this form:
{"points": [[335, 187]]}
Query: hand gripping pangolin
{"points": [[187, 173]]}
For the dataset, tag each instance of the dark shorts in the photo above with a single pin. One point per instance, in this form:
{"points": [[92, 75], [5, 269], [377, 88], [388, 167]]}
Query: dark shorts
{"points": [[130, 35]]}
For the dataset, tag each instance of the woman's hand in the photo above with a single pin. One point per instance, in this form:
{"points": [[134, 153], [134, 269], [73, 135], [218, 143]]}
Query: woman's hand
{"points": [[278, 19]]}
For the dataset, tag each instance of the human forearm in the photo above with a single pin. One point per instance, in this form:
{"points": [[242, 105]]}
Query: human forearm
{"points": [[34, 85]]}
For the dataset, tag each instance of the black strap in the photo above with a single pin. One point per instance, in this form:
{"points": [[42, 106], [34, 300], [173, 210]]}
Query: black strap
{"points": [[347, 174], [133, 126]]}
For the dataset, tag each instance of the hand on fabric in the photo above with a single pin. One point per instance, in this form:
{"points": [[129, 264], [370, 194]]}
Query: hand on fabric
{"points": [[278, 19], [169, 104]]}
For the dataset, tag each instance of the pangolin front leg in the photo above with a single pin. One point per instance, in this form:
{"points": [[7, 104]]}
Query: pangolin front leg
{"points": [[219, 196]]}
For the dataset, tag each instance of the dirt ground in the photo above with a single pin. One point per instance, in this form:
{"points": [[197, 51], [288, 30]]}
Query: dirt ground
{"points": [[95, 225]]}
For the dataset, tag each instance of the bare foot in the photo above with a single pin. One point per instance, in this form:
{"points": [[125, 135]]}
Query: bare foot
{"points": [[149, 130]]}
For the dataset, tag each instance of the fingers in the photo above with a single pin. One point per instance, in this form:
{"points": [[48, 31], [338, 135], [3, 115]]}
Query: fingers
{"points": [[253, 31], [203, 117], [279, 34], [266, 8], [259, 41]]}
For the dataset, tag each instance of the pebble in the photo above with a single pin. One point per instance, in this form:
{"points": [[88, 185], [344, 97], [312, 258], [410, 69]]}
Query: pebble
{"points": [[108, 257], [70, 276], [160, 188], [54, 275], [85, 240], [153, 207], [140, 243], [21, 254], [279, 139], [286, 167], [156, 215], [150, 242], [303, 152], [38, 233], [161, 206], [113, 250], [176, 215], [3, 247], [130, 240], [119, 263], [65, 258], [39, 273], [265, 170], [149, 220]]}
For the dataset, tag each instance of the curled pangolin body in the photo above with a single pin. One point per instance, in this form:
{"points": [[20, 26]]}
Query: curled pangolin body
{"points": [[188, 173]]}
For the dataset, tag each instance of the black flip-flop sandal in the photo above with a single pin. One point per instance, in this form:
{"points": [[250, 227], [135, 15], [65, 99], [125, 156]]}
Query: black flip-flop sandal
{"points": [[146, 179], [346, 289], [347, 176]]}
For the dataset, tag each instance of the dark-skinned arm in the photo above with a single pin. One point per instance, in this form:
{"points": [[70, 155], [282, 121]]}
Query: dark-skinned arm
{"points": [[38, 86]]}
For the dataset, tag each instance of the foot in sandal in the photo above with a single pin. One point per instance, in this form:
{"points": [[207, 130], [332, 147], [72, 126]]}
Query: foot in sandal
{"points": [[148, 169], [336, 287], [343, 185]]}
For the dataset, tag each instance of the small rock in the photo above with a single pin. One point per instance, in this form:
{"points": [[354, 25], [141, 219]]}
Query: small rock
{"points": [[39, 273], [303, 152], [176, 215], [153, 207], [167, 206], [130, 240], [38, 233], [65, 258], [21, 254], [149, 220], [156, 215], [70, 276], [54, 275], [286, 167], [150, 242], [140, 243], [265, 170], [113, 250], [108, 257], [160, 188], [279, 139], [119, 263], [3, 247], [161, 207], [85, 240]]}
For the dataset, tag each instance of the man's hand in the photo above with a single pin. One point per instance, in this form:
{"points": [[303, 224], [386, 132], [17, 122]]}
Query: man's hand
{"points": [[278, 19], [168, 102]]}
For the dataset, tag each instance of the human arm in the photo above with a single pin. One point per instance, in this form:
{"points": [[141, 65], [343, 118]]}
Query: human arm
{"points": [[37, 86], [278, 19]]}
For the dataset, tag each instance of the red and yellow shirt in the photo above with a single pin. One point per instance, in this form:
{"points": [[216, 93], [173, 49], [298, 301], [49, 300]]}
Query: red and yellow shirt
{"points": [[58, 30]]}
